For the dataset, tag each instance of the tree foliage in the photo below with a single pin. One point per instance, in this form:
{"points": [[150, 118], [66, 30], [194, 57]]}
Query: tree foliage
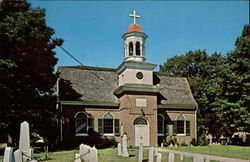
{"points": [[219, 84], [27, 63]]}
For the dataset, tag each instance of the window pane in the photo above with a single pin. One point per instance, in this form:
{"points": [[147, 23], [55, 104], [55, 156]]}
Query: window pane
{"points": [[108, 126], [160, 122], [180, 127], [81, 125]]}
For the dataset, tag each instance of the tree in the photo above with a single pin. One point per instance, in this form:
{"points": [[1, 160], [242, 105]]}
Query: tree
{"points": [[202, 72], [232, 105], [220, 85], [27, 75]]}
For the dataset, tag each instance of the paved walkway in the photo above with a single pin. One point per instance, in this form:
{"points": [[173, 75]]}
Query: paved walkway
{"points": [[206, 157]]}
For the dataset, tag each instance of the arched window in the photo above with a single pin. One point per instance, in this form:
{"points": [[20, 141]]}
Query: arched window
{"points": [[131, 48], [138, 49], [160, 124], [81, 123], [140, 121], [108, 123], [180, 125]]}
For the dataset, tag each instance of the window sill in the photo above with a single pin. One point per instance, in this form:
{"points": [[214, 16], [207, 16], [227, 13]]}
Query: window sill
{"points": [[109, 134], [81, 134], [160, 134], [181, 135]]}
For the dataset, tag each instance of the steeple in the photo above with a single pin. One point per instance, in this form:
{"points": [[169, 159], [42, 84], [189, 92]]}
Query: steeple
{"points": [[134, 41]]}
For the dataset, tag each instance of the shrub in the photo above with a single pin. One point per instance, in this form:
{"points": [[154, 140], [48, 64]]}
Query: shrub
{"points": [[183, 144], [202, 140], [112, 141], [169, 140], [193, 142]]}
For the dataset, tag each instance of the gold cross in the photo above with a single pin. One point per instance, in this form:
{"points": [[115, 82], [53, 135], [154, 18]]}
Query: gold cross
{"points": [[135, 16]]}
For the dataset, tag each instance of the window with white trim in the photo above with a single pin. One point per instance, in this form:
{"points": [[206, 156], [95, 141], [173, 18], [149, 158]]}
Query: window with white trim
{"points": [[81, 124], [160, 125], [180, 125], [108, 124]]}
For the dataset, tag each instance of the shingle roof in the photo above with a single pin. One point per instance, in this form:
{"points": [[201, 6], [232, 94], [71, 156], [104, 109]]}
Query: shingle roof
{"points": [[174, 90]]}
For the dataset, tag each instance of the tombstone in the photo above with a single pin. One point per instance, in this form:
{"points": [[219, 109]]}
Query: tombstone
{"points": [[161, 144], [158, 157], [171, 157], [198, 158], [8, 155], [210, 141], [84, 149], [156, 152], [119, 149], [175, 145], [124, 146], [24, 139], [140, 152], [18, 156], [93, 155], [171, 145], [77, 158], [151, 155], [181, 157]]}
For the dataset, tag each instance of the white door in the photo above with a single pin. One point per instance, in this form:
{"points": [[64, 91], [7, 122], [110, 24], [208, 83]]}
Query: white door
{"points": [[141, 130], [141, 135]]}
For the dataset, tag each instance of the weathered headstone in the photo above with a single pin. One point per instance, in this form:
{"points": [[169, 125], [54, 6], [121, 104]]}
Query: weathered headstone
{"points": [[151, 155], [198, 158], [24, 140], [181, 157], [158, 157], [161, 144], [119, 149], [124, 146], [171, 157], [77, 158], [93, 156], [156, 152], [140, 152], [18, 156], [175, 145], [171, 145], [8, 154]]}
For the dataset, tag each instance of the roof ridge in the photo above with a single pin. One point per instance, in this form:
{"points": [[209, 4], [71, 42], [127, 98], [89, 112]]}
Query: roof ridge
{"points": [[89, 68]]}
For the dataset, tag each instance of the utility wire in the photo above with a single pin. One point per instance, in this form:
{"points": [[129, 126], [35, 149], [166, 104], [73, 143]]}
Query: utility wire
{"points": [[83, 65]]}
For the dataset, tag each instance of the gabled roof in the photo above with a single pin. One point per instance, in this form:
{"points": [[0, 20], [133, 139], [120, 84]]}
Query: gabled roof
{"points": [[83, 80]]}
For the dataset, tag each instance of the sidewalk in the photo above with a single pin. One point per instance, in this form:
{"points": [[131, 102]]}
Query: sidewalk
{"points": [[206, 157]]}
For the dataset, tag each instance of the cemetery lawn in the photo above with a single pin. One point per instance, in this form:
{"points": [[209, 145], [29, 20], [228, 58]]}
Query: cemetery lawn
{"points": [[110, 154], [231, 151]]}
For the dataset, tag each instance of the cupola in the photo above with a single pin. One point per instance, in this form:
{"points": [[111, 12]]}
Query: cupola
{"points": [[134, 42]]}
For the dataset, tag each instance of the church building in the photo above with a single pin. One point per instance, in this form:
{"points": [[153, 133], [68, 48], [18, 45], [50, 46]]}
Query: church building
{"points": [[97, 103]]}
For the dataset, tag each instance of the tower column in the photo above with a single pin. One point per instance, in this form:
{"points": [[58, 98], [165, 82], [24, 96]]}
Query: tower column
{"points": [[134, 48], [141, 50]]}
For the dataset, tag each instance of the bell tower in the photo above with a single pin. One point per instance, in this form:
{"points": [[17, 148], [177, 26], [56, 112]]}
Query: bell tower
{"points": [[136, 92], [134, 40]]}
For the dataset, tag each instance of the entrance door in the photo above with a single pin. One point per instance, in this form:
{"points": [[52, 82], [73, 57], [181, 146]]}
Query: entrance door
{"points": [[141, 129]]}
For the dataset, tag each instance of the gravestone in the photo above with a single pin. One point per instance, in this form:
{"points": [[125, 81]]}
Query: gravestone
{"points": [[8, 154], [158, 157], [181, 157], [24, 139], [161, 144], [18, 156], [198, 158], [140, 153], [119, 149], [124, 146], [93, 156], [156, 152], [151, 155], [77, 158], [171, 157], [171, 145]]}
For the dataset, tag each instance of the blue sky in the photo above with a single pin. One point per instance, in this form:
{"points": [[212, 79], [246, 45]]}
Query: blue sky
{"points": [[92, 30]]}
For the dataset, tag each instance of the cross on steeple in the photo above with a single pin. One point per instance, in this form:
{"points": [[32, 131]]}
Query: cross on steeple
{"points": [[134, 16]]}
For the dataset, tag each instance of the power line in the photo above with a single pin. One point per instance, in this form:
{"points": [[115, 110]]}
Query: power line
{"points": [[83, 65]]}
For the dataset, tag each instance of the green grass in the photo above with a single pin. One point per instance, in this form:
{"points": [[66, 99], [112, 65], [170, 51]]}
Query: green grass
{"points": [[218, 150], [110, 154]]}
